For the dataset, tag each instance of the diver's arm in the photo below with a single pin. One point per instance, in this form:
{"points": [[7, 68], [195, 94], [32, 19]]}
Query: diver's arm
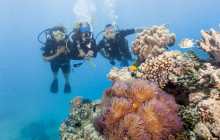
{"points": [[140, 29], [60, 50]]}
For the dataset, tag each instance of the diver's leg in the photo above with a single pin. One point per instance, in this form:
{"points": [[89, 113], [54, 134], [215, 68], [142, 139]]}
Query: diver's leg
{"points": [[55, 75], [66, 71], [54, 84], [66, 76]]}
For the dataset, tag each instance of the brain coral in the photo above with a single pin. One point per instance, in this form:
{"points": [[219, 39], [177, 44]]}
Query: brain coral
{"points": [[137, 110]]}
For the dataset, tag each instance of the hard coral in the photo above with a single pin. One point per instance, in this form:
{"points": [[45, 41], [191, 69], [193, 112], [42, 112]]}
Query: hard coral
{"points": [[159, 69], [209, 74], [123, 74], [210, 43], [209, 110], [143, 111], [78, 124]]}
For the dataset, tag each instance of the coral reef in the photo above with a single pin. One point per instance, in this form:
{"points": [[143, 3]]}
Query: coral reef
{"points": [[137, 110], [210, 43], [206, 103], [180, 70], [190, 117], [78, 126], [137, 105], [176, 73], [152, 42], [209, 110]]}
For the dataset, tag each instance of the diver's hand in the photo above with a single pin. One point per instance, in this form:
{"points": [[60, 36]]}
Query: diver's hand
{"points": [[81, 53], [60, 50], [89, 55]]}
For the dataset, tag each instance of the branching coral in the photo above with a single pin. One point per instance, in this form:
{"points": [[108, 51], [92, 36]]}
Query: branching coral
{"points": [[210, 43], [142, 111], [151, 43]]}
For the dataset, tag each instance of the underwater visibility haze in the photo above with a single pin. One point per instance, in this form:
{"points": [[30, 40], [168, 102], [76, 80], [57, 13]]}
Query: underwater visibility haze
{"points": [[28, 111]]}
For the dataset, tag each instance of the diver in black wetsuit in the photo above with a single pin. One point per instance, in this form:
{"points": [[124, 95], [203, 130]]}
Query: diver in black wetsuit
{"points": [[115, 46], [83, 40], [55, 52]]}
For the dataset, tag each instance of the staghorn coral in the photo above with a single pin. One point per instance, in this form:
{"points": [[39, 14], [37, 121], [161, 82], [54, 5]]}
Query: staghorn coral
{"points": [[152, 42], [210, 43], [143, 111]]}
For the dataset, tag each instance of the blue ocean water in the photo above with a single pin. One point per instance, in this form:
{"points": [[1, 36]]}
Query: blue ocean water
{"points": [[28, 111]]}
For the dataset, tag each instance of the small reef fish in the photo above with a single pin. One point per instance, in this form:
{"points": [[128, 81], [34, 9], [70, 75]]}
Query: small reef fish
{"points": [[186, 43], [134, 105], [133, 67]]}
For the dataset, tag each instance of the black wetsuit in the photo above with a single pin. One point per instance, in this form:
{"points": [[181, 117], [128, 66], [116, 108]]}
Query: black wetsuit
{"points": [[90, 46], [117, 48], [63, 60]]}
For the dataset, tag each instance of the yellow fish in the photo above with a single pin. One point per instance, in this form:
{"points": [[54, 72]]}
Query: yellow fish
{"points": [[186, 43], [133, 67]]}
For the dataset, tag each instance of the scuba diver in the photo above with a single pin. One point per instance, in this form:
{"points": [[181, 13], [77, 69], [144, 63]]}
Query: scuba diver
{"points": [[115, 46], [55, 52], [83, 40]]}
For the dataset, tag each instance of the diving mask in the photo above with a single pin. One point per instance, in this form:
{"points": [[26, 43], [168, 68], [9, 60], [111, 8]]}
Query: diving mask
{"points": [[59, 34], [109, 33], [86, 34]]}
